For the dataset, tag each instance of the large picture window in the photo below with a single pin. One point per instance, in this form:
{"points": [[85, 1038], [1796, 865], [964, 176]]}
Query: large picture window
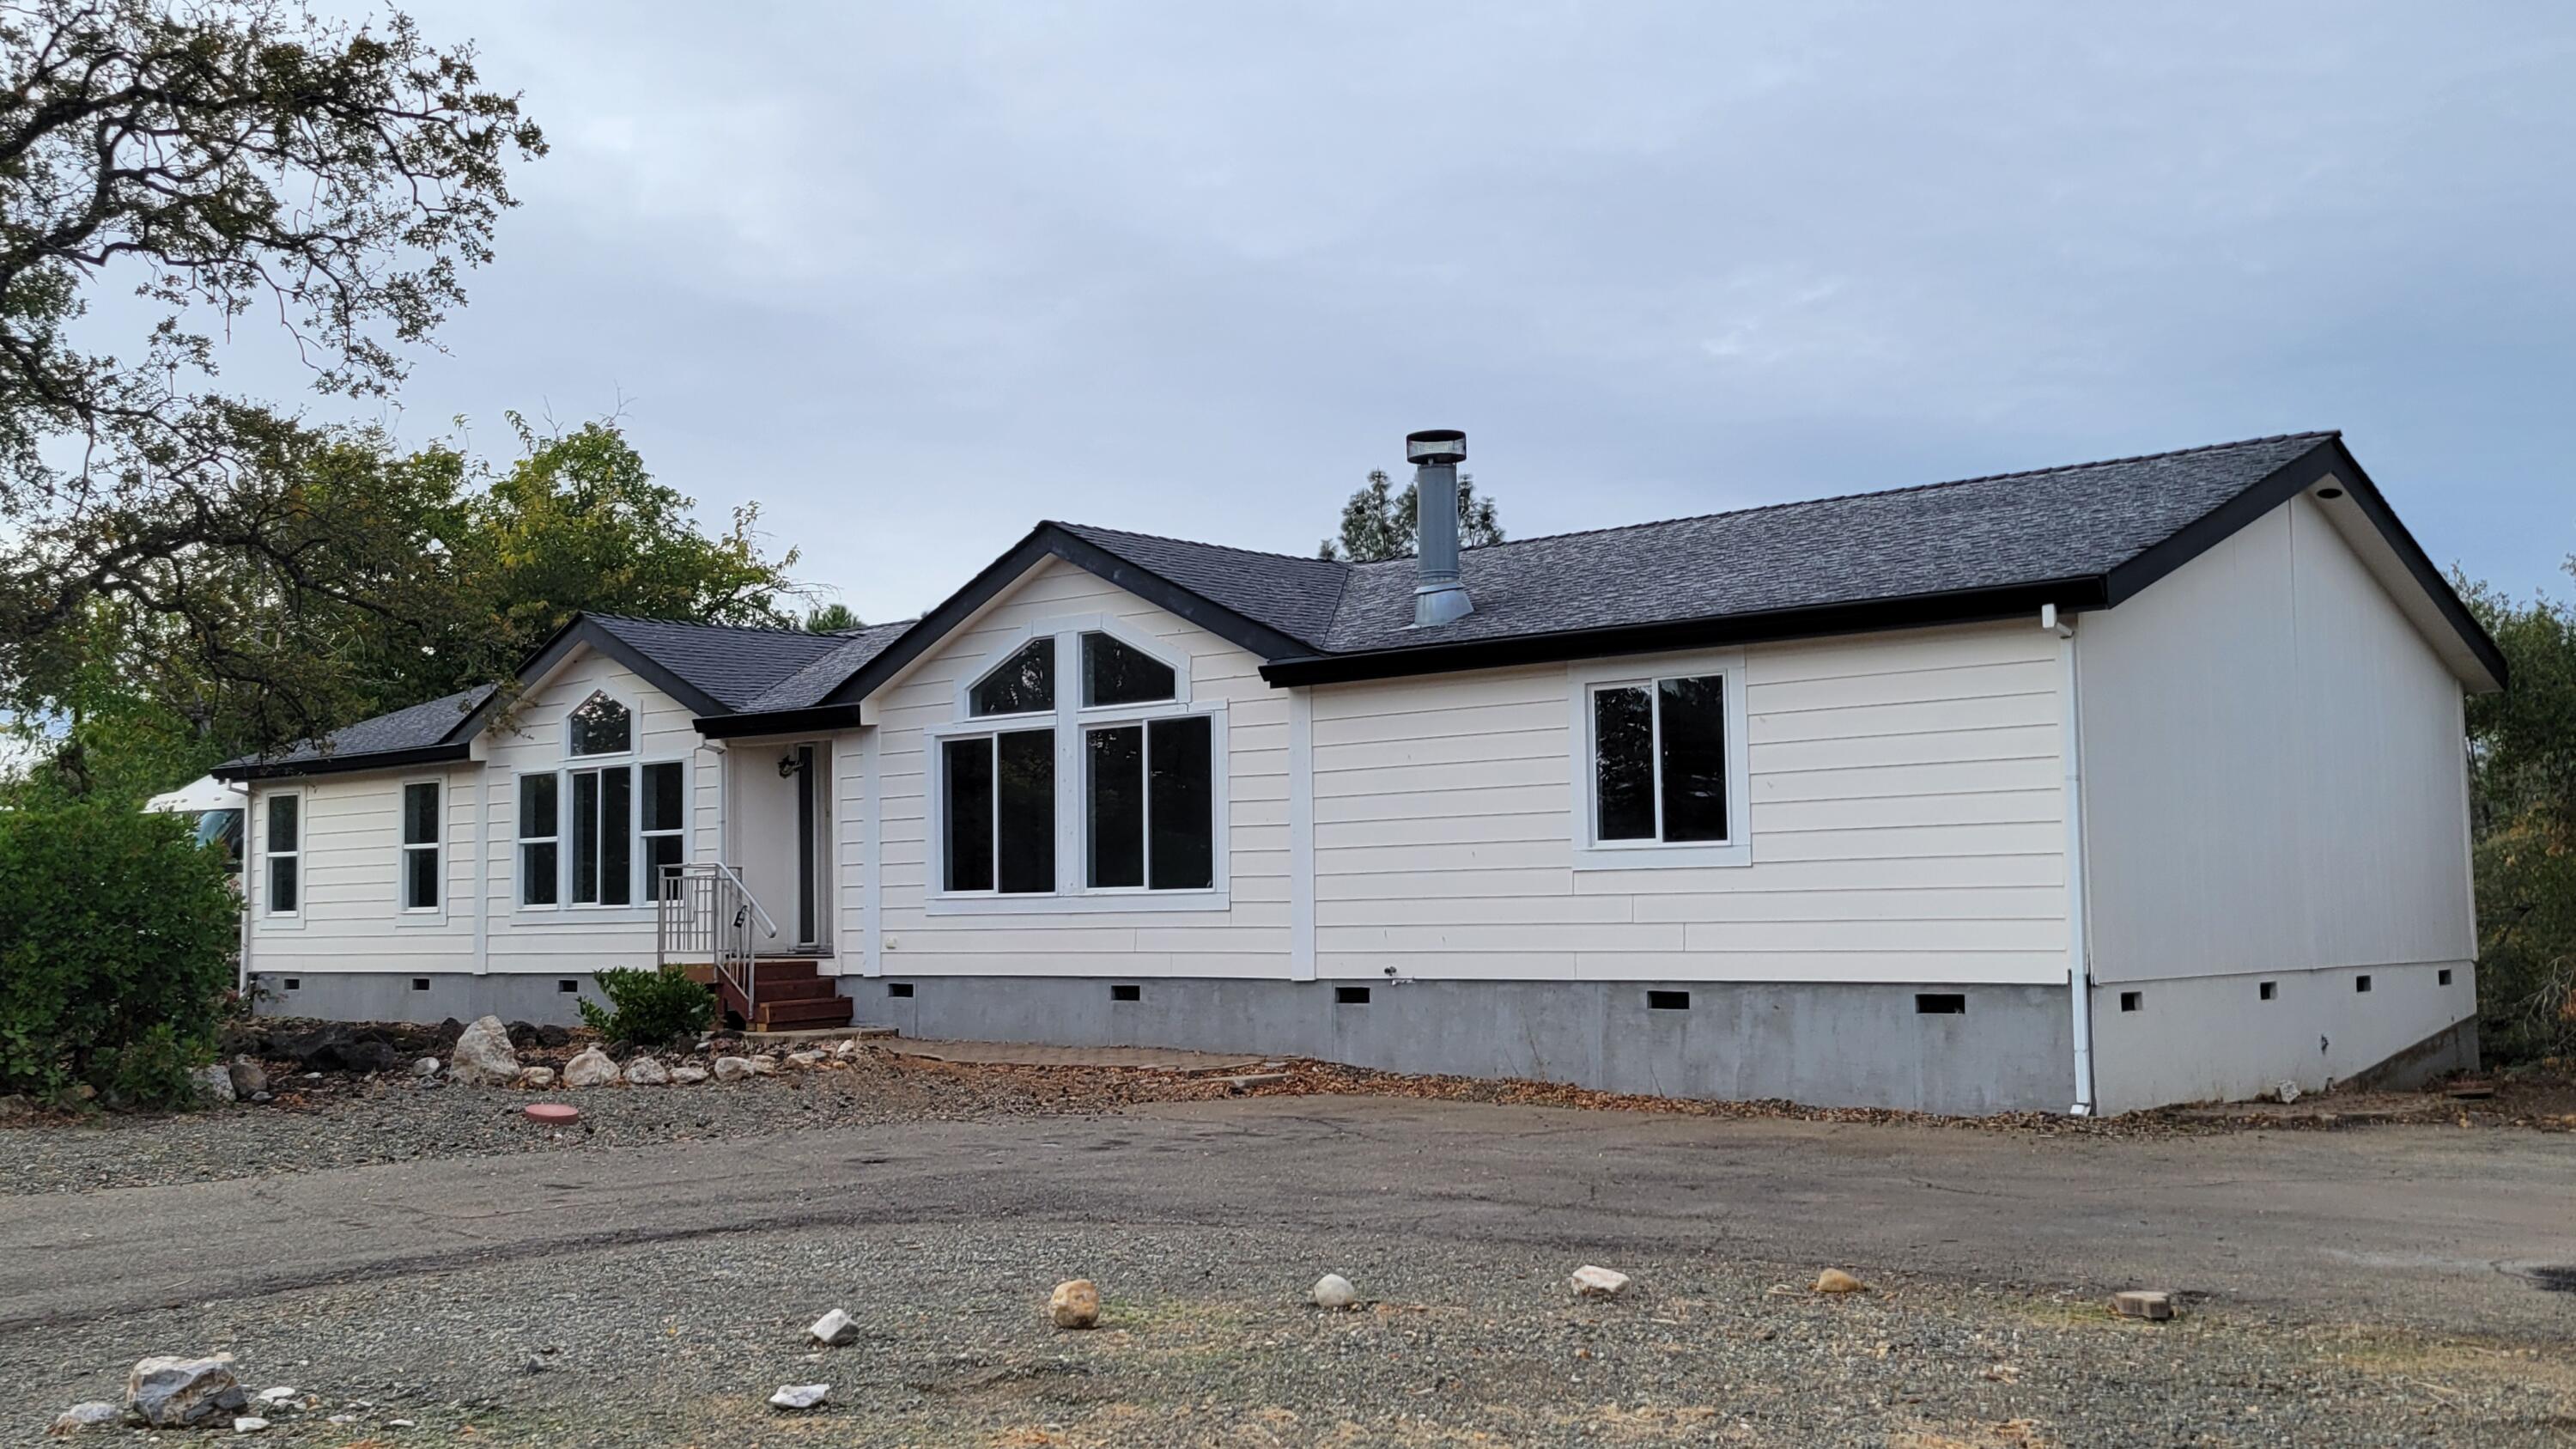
{"points": [[420, 890], [601, 835], [284, 849], [1149, 816], [1113, 800], [999, 812]]}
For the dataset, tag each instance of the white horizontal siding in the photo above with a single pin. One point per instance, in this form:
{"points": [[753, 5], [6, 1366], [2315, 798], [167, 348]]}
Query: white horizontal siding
{"points": [[530, 738], [1907, 825], [1248, 938], [352, 917]]}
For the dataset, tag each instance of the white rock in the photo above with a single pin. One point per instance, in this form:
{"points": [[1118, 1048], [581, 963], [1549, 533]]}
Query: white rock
{"points": [[1335, 1291], [537, 1077], [96, 1414], [590, 1069], [732, 1069], [802, 1059], [687, 1076], [400, 1424], [250, 1424], [848, 1048], [799, 1396], [482, 1055], [183, 1393], [425, 1067], [763, 1065], [1597, 1282], [646, 1072], [276, 1395], [341, 1419], [215, 1083], [2289, 1092], [834, 1329]]}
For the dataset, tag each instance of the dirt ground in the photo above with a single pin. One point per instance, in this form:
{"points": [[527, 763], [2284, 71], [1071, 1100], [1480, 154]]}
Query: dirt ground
{"points": [[648, 1283]]}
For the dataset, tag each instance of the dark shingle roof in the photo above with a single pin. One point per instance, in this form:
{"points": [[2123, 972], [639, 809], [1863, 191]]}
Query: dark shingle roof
{"points": [[731, 666], [1292, 595], [1976, 533], [420, 727], [807, 686]]}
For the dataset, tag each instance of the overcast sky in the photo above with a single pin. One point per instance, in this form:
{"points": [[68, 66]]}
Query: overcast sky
{"points": [[914, 277]]}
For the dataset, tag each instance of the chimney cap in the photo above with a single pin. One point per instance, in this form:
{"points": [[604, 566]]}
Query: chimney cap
{"points": [[1435, 446]]}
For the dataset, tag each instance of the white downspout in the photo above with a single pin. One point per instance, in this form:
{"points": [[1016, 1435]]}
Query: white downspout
{"points": [[2079, 975]]}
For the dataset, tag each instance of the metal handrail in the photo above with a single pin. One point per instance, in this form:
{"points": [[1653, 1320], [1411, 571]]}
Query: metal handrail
{"points": [[704, 910]]}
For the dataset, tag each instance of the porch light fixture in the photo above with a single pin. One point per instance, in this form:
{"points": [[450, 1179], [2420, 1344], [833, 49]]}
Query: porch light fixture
{"points": [[788, 766]]}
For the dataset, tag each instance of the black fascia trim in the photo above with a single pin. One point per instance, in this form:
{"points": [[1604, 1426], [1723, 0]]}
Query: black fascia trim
{"points": [[337, 764], [779, 722], [2329, 458], [1051, 540], [1914, 611]]}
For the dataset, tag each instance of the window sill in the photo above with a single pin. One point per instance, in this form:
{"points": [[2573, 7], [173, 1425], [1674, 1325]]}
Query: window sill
{"points": [[1662, 857], [1068, 905], [582, 916], [420, 920]]}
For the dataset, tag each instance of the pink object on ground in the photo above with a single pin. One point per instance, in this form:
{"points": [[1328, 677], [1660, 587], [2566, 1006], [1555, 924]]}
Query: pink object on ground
{"points": [[553, 1114]]}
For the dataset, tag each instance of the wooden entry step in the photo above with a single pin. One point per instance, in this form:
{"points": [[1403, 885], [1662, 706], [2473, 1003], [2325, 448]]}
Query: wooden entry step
{"points": [[787, 994]]}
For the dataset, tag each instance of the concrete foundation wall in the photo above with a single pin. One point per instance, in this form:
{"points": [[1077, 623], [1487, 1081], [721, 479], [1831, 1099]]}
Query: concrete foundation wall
{"points": [[2215, 1038], [379, 996], [1824, 1044]]}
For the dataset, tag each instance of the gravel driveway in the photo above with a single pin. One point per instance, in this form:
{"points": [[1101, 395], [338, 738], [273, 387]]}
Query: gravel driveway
{"points": [[2343, 1288]]}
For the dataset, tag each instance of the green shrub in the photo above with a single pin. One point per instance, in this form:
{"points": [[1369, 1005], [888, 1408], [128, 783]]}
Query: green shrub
{"points": [[2527, 940], [649, 1008], [117, 934]]}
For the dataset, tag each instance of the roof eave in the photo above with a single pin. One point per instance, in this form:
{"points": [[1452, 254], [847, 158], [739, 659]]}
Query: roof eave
{"points": [[1913, 611], [779, 722], [338, 764], [2329, 459]]}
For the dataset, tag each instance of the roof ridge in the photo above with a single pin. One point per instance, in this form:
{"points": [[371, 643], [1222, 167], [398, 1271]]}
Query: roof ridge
{"points": [[1200, 543], [1908, 488]]}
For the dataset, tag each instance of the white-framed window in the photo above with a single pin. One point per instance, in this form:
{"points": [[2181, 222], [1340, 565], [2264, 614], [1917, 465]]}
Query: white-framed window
{"points": [[998, 801], [1079, 776], [282, 853], [1148, 807], [601, 837], [662, 825], [600, 811], [1661, 773], [417, 878], [540, 839], [599, 725]]}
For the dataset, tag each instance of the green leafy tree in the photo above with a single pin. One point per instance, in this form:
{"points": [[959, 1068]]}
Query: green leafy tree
{"points": [[2523, 753], [470, 567], [223, 160], [1379, 522], [832, 619]]}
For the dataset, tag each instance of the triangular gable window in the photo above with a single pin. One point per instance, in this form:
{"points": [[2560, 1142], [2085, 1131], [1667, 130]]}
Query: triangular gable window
{"points": [[1021, 684], [599, 726]]}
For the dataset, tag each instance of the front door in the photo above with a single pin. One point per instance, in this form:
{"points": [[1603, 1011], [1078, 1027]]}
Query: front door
{"points": [[781, 830], [808, 856]]}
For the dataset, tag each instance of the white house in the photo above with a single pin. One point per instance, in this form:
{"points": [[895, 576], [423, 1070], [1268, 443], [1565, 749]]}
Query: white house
{"points": [[2092, 787]]}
